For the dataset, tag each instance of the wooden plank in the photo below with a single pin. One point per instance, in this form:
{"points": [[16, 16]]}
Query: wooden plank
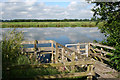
{"points": [[27, 42], [97, 44], [101, 51], [66, 75], [94, 54], [75, 44], [44, 41]]}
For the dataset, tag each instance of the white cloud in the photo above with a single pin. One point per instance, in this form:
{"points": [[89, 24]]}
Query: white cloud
{"points": [[43, 11]]}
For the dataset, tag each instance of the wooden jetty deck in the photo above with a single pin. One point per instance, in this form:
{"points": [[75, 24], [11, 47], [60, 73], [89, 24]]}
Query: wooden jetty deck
{"points": [[71, 57]]}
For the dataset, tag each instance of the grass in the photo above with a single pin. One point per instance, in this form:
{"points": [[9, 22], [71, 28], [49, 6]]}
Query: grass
{"points": [[49, 24]]}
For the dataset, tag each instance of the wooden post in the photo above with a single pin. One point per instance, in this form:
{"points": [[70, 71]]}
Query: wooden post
{"points": [[78, 48], [86, 49], [89, 49], [52, 51], [101, 55], [35, 47], [89, 77], [73, 60], [63, 52], [56, 56], [91, 72]]}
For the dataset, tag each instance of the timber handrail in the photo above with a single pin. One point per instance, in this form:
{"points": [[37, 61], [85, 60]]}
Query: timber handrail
{"points": [[104, 46]]}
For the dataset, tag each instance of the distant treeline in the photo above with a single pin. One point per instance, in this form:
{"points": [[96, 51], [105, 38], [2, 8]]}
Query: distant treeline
{"points": [[45, 20]]}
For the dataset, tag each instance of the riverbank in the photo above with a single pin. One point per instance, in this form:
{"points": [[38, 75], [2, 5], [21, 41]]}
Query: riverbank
{"points": [[49, 24]]}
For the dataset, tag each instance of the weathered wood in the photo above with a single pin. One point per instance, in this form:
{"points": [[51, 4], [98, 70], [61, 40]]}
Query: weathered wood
{"points": [[94, 54], [57, 53], [52, 64], [73, 60], [103, 51], [52, 51], [86, 51], [66, 48], [90, 69], [67, 75], [75, 44], [78, 48], [35, 49], [44, 41], [97, 44], [27, 42], [63, 52]]}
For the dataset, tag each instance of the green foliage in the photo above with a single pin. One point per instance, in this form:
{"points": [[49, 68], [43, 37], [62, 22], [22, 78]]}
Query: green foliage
{"points": [[109, 13], [22, 60], [11, 47]]}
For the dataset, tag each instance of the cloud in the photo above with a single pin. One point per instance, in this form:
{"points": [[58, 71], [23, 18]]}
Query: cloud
{"points": [[31, 9]]}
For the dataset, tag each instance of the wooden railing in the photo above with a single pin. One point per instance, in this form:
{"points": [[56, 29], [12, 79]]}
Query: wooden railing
{"points": [[89, 72], [79, 47], [100, 51], [61, 56]]}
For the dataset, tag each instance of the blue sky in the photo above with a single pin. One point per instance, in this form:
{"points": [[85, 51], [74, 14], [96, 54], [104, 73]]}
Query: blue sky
{"points": [[42, 9]]}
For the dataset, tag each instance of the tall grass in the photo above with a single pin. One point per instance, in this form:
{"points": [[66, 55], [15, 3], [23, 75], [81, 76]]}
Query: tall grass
{"points": [[49, 24]]}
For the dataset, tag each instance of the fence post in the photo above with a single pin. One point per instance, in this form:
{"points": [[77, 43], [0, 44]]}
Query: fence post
{"points": [[89, 49], [78, 48], [86, 49], [101, 54], [35, 47], [52, 50], [63, 52], [90, 70], [73, 59], [56, 56]]}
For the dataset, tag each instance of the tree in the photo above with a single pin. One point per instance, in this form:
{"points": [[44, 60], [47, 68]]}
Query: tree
{"points": [[109, 13]]}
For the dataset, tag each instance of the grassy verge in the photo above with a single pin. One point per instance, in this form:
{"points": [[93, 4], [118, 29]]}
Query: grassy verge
{"points": [[49, 24]]}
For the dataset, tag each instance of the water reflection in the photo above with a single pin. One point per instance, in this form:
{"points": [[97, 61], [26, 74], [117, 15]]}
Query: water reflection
{"points": [[61, 35]]}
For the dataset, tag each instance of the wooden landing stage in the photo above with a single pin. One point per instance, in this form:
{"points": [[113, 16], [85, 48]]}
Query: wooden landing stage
{"points": [[73, 57]]}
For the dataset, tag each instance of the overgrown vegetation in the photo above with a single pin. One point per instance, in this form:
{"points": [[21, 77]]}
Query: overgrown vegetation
{"points": [[109, 13], [11, 56]]}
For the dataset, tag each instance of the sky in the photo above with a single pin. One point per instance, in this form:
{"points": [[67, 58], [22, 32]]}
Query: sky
{"points": [[45, 9]]}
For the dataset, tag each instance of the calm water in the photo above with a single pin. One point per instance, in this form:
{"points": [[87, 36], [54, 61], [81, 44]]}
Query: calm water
{"points": [[61, 35]]}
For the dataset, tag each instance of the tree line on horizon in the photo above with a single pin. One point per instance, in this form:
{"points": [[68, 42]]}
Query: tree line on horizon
{"points": [[45, 20]]}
